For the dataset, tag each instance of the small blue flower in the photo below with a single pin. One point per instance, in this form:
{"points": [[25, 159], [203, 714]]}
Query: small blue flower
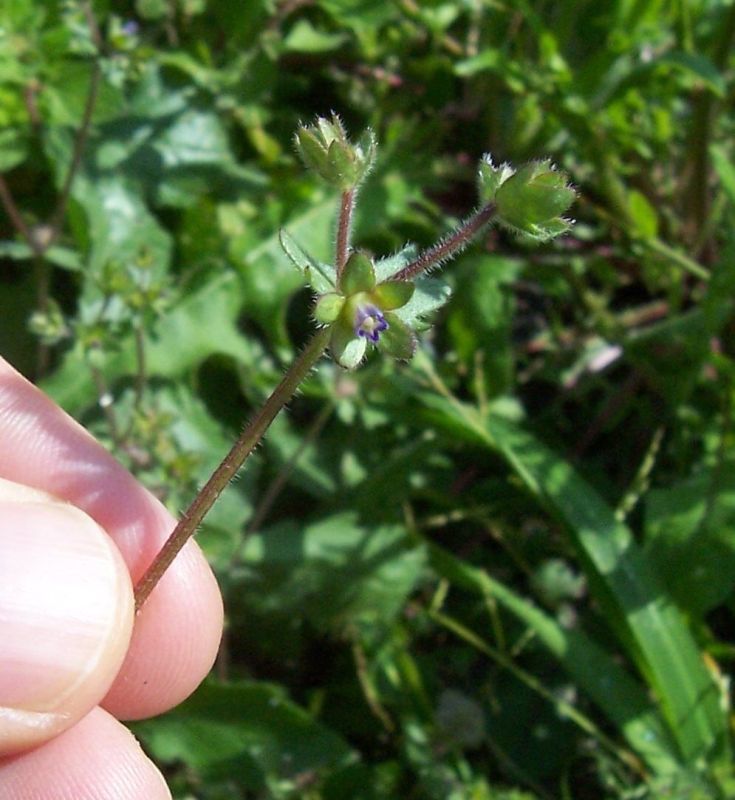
{"points": [[361, 310], [369, 322]]}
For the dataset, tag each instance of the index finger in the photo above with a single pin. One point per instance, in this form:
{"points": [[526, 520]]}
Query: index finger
{"points": [[177, 633]]}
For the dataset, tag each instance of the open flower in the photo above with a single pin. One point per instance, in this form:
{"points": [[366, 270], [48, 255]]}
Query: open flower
{"points": [[362, 311], [370, 322]]}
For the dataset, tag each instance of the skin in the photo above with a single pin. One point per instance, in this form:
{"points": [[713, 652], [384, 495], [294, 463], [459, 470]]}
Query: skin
{"points": [[76, 531]]}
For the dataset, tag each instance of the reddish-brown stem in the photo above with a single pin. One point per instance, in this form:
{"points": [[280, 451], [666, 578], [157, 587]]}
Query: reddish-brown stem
{"points": [[449, 246], [231, 463], [346, 207]]}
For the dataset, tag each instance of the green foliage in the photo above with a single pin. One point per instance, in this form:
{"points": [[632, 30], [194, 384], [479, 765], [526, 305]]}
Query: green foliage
{"points": [[504, 569]]}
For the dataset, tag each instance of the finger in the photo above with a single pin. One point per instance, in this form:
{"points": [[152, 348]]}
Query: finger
{"points": [[177, 633], [66, 615], [97, 759]]}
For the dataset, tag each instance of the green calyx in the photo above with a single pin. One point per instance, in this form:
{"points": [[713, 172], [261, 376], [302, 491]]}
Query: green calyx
{"points": [[362, 311], [530, 201], [358, 274]]}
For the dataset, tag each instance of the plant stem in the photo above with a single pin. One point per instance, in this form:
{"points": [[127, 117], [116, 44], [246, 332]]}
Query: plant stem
{"points": [[14, 215], [346, 207], [231, 463], [704, 114], [687, 264], [80, 140], [449, 246]]}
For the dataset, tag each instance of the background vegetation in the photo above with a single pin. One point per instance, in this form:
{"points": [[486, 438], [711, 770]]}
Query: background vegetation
{"points": [[504, 570]]}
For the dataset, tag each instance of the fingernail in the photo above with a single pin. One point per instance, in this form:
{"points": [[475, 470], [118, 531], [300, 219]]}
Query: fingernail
{"points": [[62, 606]]}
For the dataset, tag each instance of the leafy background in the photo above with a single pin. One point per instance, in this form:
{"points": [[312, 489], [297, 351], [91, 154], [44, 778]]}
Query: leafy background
{"points": [[504, 570]]}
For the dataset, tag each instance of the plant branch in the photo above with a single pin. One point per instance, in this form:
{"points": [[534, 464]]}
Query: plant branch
{"points": [[230, 465], [705, 107], [11, 209], [448, 247], [80, 140]]}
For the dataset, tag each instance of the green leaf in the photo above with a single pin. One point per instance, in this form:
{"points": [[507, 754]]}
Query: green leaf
{"points": [[643, 215], [321, 277], [480, 317], [622, 698], [248, 732], [121, 229], [196, 433], [488, 60], [695, 65], [268, 280], [386, 268], [429, 296], [305, 38], [690, 536], [152, 9], [60, 256], [334, 572], [201, 324], [623, 580], [13, 148], [725, 170]]}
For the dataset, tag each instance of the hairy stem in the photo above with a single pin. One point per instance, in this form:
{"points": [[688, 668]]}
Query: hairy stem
{"points": [[231, 463], [449, 246], [346, 207]]}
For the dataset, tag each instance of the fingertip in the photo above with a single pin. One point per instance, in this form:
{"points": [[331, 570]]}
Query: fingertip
{"points": [[66, 615], [96, 759], [174, 643]]}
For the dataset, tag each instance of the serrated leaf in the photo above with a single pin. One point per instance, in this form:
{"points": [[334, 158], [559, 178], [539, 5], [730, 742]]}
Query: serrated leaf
{"points": [[321, 277], [387, 267], [429, 296]]}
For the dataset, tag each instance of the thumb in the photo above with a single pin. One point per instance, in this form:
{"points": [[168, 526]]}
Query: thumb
{"points": [[66, 614]]}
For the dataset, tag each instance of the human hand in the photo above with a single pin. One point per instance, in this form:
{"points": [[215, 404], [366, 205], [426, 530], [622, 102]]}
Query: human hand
{"points": [[76, 530]]}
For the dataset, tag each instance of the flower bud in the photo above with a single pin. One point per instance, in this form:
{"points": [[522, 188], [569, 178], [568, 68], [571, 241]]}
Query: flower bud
{"points": [[325, 148], [532, 200]]}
